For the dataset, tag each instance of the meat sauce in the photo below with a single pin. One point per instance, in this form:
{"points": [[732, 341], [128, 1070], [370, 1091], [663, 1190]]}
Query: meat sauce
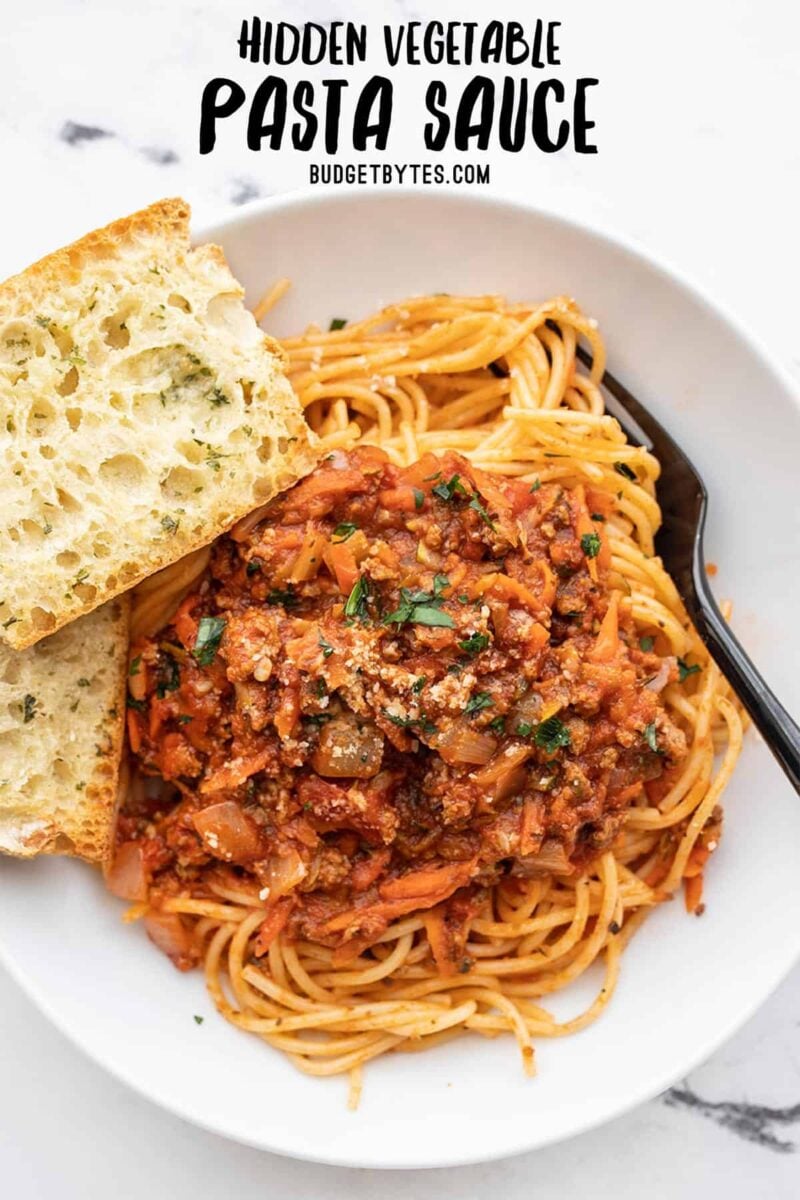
{"points": [[395, 688]]}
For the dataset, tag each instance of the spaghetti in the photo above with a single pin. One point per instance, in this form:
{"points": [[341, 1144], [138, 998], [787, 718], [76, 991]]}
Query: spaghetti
{"points": [[498, 384]]}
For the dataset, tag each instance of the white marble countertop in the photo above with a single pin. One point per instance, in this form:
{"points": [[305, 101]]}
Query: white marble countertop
{"points": [[98, 115]]}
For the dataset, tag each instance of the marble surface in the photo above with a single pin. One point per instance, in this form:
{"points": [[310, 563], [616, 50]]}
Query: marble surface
{"points": [[98, 115]]}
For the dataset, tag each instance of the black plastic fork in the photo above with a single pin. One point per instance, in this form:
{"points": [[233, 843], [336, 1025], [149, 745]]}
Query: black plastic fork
{"points": [[679, 543]]}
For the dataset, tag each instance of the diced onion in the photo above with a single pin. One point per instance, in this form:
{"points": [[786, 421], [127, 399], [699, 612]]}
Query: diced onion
{"points": [[461, 744], [228, 832], [169, 933], [283, 872], [127, 877]]}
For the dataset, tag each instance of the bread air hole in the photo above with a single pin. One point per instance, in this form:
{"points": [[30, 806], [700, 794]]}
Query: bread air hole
{"points": [[67, 502], [101, 547], [74, 417], [267, 449], [11, 671], [124, 469], [115, 332], [179, 302], [181, 483], [68, 558], [62, 771], [40, 416], [42, 620], [69, 383], [85, 592], [47, 451], [63, 339]]}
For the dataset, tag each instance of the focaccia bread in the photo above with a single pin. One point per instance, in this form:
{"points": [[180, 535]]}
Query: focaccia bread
{"points": [[62, 709], [142, 412]]}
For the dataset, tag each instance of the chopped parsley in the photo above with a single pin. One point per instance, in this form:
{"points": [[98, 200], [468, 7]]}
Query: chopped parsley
{"points": [[551, 734], [685, 669], [169, 524], [537, 483], [325, 647], [478, 507], [356, 603], [597, 517], [419, 498], [337, 323], [29, 706], [649, 735], [198, 1020], [422, 723], [590, 545], [453, 487], [478, 703], [474, 643], [419, 684], [646, 644], [253, 566], [343, 531], [422, 608], [498, 725], [218, 397], [209, 635], [170, 676], [136, 705], [524, 729], [623, 469], [136, 663], [284, 596]]}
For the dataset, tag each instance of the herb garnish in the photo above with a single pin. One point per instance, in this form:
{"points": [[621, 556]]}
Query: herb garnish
{"points": [[343, 531], [685, 670], [337, 323], [136, 663], [422, 723], [478, 507], [198, 1020], [590, 545], [478, 703], [419, 498], [649, 735], [474, 643], [646, 644], [169, 524], [284, 596], [422, 608], [446, 491], [537, 483], [551, 734], [136, 705], [209, 635], [325, 647], [356, 603], [253, 566], [623, 469], [498, 725], [170, 678], [29, 704], [419, 684]]}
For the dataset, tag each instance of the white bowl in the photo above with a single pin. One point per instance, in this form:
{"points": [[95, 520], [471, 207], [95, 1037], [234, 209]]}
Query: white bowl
{"points": [[686, 984]]}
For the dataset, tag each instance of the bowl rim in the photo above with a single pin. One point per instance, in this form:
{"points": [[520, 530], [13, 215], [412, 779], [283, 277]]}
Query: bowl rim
{"points": [[319, 197]]}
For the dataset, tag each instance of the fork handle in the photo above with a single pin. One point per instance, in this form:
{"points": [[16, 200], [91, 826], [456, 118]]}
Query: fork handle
{"points": [[776, 726]]}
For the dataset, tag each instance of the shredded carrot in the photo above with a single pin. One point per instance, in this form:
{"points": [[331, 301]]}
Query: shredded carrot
{"points": [[606, 644], [693, 892], [134, 732]]}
